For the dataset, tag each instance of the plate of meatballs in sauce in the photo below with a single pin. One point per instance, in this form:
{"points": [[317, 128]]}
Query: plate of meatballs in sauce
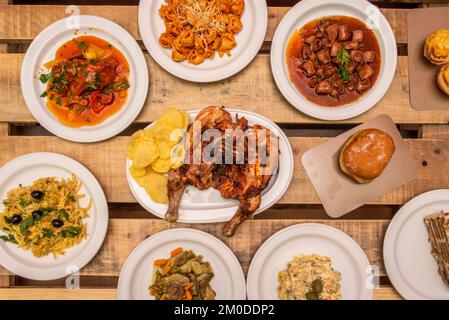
{"points": [[334, 61]]}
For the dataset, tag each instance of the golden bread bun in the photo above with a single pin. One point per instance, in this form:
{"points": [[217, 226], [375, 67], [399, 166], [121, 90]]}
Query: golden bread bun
{"points": [[366, 154], [436, 48], [443, 79]]}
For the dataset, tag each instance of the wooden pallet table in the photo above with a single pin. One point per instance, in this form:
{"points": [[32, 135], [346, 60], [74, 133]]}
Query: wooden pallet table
{"points": [[427, 134]]}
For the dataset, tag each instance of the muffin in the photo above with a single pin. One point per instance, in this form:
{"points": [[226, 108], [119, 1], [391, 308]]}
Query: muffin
{"points": [[443, 79], [436, 48]]}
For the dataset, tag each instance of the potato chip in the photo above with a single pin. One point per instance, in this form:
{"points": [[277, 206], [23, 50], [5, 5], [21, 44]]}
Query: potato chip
{"points": [[161, 165], [137, 135], [173, 117], [144, 153], [177, 155], [186, 119], [162, 131], [164, 150], [156, 150], [156, 186], [136, 174]]}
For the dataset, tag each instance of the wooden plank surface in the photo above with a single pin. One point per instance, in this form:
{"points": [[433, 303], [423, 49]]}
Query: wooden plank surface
{"points": [[381, 293], [22, 22], [125, 234], [107, 159], [437, 131], [253, 89]]}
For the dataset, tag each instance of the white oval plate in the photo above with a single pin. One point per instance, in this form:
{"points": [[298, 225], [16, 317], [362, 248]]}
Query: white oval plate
{"points": [[309, 10], [208, 206], [309, 238], [412, 269], [136, 275], [43, 49], [30, 167], [249, 42]]}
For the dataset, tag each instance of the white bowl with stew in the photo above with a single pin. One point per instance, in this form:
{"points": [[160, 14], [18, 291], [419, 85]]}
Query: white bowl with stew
{"points": [[334, 60]]}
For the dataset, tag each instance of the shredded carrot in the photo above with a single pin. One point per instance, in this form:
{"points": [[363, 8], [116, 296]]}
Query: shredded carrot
{"points": [[175, 252], [167, 267], [189, 286], [164, 297], [188, 295], [160, 262]]}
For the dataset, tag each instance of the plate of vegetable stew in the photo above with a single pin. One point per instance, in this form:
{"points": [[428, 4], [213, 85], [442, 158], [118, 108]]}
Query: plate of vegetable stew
{"points": [[84, 80], [179, 264]]}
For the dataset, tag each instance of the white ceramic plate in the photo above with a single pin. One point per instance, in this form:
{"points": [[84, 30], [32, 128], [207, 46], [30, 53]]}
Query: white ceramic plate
{"points": [[208, 206], [412, 269], [43, 49], [249, 42], [28, 168], [309, 238], [136, 275], [309, 10]]}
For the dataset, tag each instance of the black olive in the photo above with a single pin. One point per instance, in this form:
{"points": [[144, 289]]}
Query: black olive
{"points": [[57, 223], [36, 194], [16, 219], [37, 214]]}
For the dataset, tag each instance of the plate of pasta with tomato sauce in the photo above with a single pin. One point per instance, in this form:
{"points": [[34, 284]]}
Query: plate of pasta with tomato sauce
{"points": [[203, 40], [84, 78]]}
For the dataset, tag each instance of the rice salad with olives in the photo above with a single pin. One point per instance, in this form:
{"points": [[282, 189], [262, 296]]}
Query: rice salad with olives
{"points": [[44, 217], [309, 277]]}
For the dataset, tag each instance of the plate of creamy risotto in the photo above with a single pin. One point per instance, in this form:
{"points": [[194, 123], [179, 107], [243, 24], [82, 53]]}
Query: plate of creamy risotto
{"points": [[310, 261], [309, 277]]}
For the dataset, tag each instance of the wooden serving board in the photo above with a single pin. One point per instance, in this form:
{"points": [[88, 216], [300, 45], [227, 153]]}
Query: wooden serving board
{"points": [[427, 134]]}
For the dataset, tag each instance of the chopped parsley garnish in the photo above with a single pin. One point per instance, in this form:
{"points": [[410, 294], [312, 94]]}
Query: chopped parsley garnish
{"points": [[91, 85], [73, 232], [64, 214], [7, 220], [23, 203], [45, 77], [71, 198], [44, 94], [81, 45], [59, 101], [9, 238], [344, 58], [47, 233]]}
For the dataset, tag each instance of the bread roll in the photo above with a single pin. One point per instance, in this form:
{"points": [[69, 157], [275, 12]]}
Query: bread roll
{"points": [[366, 154]]}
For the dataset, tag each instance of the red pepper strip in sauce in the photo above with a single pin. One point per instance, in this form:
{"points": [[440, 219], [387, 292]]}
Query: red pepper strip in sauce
{"points": [[99, 100]]}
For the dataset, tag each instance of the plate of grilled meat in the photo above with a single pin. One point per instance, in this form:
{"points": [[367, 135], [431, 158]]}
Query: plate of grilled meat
{"points": [[416, 247], [235, 164]]}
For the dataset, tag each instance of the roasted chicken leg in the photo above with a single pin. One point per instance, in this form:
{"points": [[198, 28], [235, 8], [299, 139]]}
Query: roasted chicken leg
{"points": [[243, 179]]}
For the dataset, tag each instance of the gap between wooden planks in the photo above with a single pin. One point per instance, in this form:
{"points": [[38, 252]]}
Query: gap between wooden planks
{"points": [[382, 293], [125, 234], [24, 22], [253, 89], [107, 159]]}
